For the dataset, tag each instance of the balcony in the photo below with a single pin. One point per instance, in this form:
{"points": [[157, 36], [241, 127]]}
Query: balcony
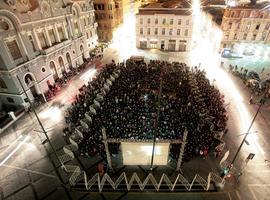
{"points": [[55, 47]]}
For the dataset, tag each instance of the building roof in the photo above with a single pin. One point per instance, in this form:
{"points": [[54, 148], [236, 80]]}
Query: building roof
{"points": [[259, 5], [174, 7]]}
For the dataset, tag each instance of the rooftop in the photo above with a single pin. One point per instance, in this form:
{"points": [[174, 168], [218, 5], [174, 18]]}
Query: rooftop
{"points": [[173, 7], [260, 5]]}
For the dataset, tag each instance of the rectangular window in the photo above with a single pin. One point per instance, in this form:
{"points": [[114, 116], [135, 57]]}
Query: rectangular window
{"points": [[61, 33], [156, 21], [148, 20], [178, 31], [254, 36], [264, 34], [14, 49], [245, 36], [91, 34], [164, 21], [257, 26], [84, 20], [156, 31], [187, 22], [186, 32], [141, 31], [141, 20], [148, 31], [230, 25], [87, 35], [3, 84], [163, 31], [42, 40], [170, 31], [32, 42], [52, 36], [179, 21], [171, 21], [235, 36]]}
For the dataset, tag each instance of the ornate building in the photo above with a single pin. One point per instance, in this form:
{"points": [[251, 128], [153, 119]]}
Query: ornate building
{"points": [[109, 14], [39, 40], [165, 25], [246, 28]]}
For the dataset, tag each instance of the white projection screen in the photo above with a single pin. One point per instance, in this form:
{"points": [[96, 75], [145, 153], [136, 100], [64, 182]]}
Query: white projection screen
{"points": [[141, 153]]}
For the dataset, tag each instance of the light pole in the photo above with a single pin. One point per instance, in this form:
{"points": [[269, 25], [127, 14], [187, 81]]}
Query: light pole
{"points": [[262, 101], [41, 125], [156, 125]]}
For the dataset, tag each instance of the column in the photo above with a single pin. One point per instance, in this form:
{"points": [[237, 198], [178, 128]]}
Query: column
{"points": [[65, 30], [70, 27], [55, 30], [25, 52], [80, 25], [182, 150], [48, 39], [35, 37]]}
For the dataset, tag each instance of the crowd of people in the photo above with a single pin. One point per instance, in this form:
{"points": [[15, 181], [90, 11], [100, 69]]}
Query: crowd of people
{"points": [[155, 99]]}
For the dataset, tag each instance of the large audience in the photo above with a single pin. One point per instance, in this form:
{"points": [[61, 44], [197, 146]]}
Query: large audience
{"points": [[155, 99]]}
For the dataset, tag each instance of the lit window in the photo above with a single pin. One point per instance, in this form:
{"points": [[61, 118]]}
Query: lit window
{"points": [[14, 49]]}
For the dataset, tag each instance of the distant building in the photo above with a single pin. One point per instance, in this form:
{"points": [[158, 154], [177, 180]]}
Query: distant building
{"points": [[246, 24], [164, 25], [109, 14], [39, 41]]}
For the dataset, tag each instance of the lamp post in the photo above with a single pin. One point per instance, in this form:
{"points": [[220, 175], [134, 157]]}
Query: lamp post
{"points": [[156, 125], [41, 125], [262, 101]]}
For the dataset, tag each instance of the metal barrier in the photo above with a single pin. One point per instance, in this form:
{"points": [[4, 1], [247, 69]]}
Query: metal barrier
{"points": [[150, 180]]}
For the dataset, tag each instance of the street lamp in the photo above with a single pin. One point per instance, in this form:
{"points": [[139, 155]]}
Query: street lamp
{"points": [[41, 125], [262, 101]]}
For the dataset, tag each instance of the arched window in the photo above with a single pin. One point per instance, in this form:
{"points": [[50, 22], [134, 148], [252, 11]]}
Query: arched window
{"points": [[3, 84], [28, 79], [61, 63], [69, 60], [53, 69]]}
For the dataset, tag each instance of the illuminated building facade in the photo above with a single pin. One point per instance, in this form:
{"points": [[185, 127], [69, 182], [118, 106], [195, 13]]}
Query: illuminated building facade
{"points": [[245, 27], [39, 41], [109, 14], [166, 26]]}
